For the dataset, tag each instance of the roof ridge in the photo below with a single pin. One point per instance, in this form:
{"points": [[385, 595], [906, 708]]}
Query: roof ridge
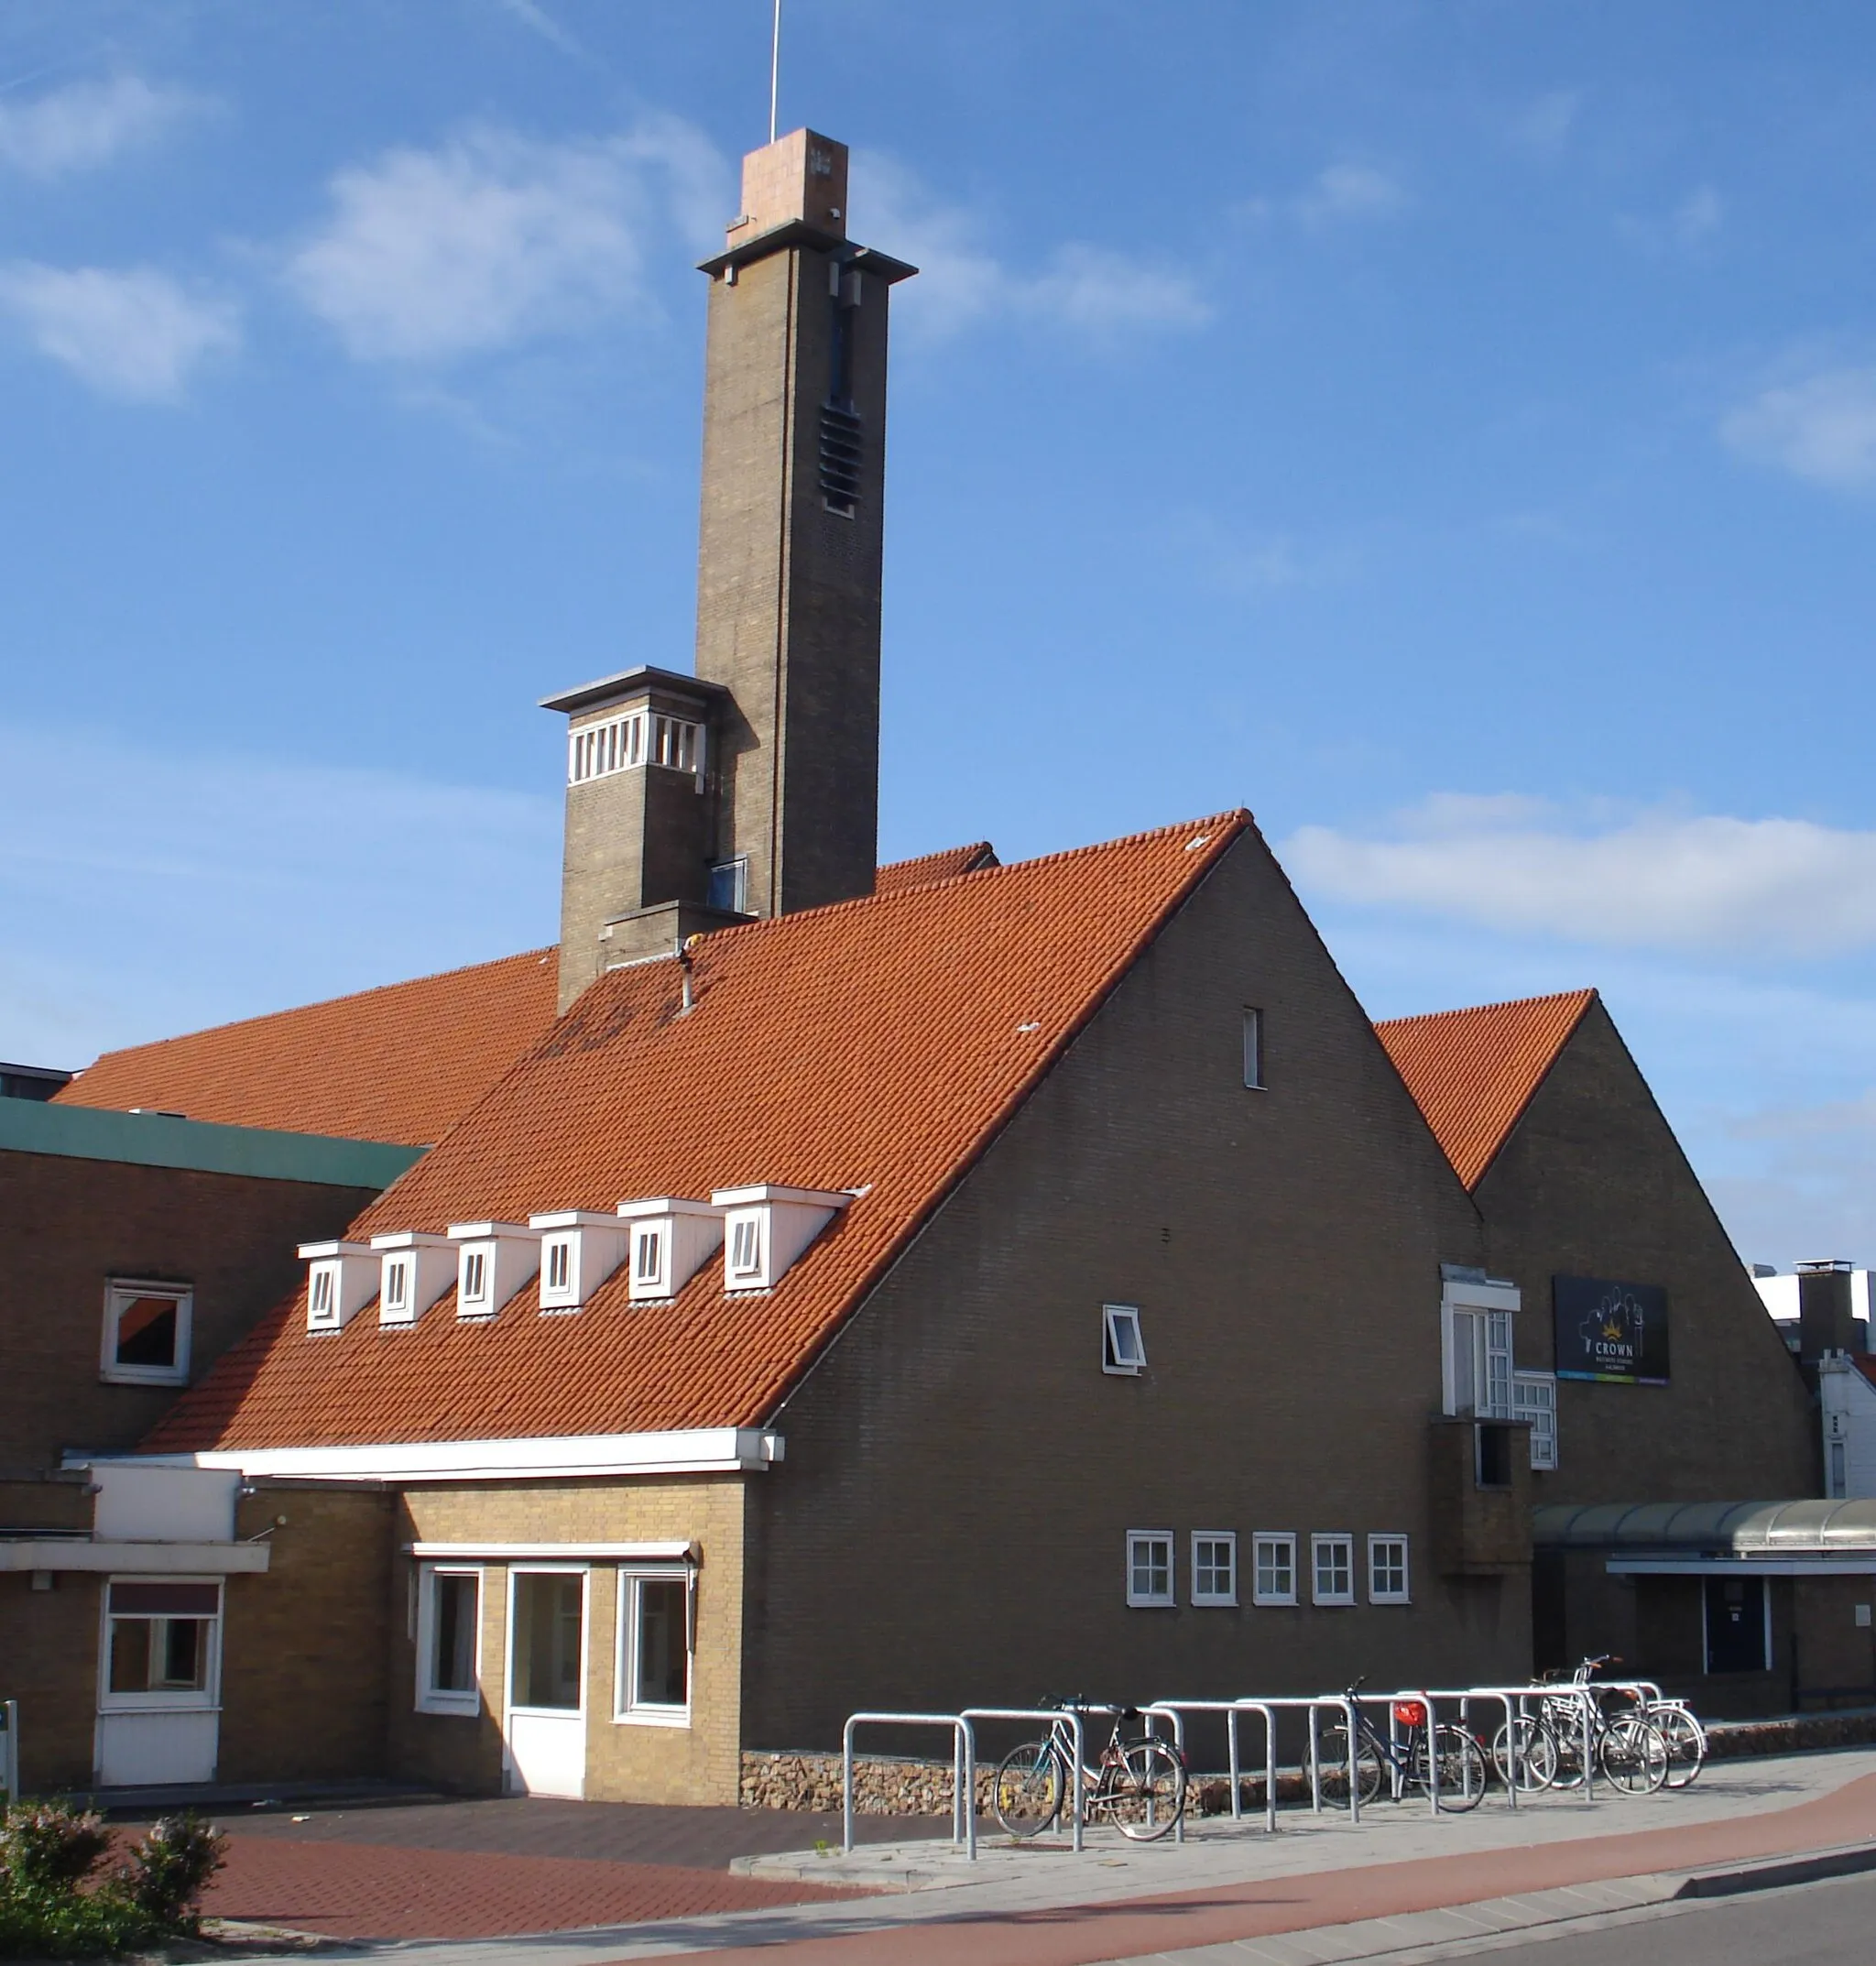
{"points": [[1585, 996]]}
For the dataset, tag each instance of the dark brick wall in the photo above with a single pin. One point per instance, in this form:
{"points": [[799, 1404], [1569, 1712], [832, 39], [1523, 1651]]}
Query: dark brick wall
{"points": [[49, 1662], [67, 1225], [1593, 1183], [948, 1525]]}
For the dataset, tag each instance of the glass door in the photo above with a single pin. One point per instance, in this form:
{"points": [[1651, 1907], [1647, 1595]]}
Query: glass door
{"points": [[546, 1728]]}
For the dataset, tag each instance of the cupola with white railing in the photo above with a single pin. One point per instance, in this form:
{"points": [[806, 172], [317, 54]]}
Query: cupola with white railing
{"points": [[580, 1248], [767, 1229], [672, 1241], [415, 1269], [341, 1279], [493, 1260]]}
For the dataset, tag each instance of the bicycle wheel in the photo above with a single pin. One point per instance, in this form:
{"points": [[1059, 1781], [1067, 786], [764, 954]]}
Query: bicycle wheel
{"points": [[1332, 1749], [1537, 1754], [1461, 1765], [1633, 1755], [1025, 1796], [1148, 1793], [1686, 1743]]}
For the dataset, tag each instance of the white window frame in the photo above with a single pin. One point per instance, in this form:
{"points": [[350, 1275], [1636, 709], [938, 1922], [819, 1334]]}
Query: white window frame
{"points": [[744, 1262], [120, 1294], [584, 1571], [432, 1698], [194, 1700], [1319, 1546], [1488, 1310], [1114, 1319], [1254, 1049], [632, 738], [1542, 1412], [1228, 1539], [1376, 1543], [1151, 1600], [1285, 1540], [627, 1709]]}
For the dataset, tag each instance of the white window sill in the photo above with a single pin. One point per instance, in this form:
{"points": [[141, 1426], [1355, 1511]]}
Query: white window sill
{"points": [[457, 1705], [1275, 1604], [159, 1703], [143, 1375], [1152, 1604], [654, 1717], [1123, 1372]]}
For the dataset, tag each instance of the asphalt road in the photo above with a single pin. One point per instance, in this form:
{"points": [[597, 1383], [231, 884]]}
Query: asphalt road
{"points": [[1830, 1924]]}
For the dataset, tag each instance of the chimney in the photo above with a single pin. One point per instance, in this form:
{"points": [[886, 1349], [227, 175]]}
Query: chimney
{"points": [[789, 541], [1827, 1310], [752, 788]]}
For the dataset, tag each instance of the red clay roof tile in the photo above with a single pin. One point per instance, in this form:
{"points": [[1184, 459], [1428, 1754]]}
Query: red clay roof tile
{"points": [[403, 1062], [874, 1046], [898, 875], [1472, 1072]]}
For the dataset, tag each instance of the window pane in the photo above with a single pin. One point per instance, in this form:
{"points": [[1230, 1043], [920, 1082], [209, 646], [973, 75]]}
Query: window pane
{"points": [[546, 1667], [130, 1654], [147, 1332], [182, 1647], [663, 1658], [1465, 1361], [453, 1635]]}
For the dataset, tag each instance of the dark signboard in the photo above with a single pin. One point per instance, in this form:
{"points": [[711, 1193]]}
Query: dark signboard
{"points": [[1613, 1331]]}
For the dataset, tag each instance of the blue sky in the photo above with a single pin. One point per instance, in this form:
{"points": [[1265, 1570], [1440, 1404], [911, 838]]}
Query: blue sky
{"points": [[1448, 429]]}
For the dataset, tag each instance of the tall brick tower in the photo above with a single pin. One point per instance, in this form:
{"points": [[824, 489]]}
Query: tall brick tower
{"points": [[788, 553], [752, 788]]}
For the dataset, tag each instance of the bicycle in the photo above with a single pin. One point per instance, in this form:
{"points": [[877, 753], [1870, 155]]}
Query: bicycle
{"points": [[1428, 1753], [1630, 1749], [1138, 1785]]}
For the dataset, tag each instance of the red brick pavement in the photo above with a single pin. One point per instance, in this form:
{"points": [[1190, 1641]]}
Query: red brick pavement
{"points": [[375, 1891], [1081, 1935]]}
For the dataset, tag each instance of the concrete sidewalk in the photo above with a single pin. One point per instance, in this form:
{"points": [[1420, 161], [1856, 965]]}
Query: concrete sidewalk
{"points": [[1230, 1884]]}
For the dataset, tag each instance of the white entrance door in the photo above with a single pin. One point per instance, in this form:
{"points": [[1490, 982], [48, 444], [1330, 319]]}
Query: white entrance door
{"points": [[547, 1681], [158, 1693]]}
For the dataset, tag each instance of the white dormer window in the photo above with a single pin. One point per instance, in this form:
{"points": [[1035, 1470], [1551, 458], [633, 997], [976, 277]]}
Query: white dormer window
{"points": [[580, 1248], [493, 1260], [634, 737], [1123, 1351], [767, 1229], [416, 1270], [341, 1279], [672, 1239]]}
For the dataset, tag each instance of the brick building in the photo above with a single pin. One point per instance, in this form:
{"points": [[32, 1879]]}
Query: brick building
{"points": [[909, 1291]]}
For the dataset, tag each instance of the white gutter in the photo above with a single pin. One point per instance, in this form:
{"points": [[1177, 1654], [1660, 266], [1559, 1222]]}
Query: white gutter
{"points": [[145, 1559], [1860, 1563], [530, 1552], [572, 1457]]}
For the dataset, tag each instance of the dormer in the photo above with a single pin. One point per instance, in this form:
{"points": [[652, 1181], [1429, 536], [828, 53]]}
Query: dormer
{"points": [[672, 1239], [341, 1280], [767, 1229], [414, 1271], [493, 1260], [580, 1248]]}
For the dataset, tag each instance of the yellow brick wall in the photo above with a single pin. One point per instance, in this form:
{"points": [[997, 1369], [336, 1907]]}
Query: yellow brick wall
{"points": [[625, 1761]]}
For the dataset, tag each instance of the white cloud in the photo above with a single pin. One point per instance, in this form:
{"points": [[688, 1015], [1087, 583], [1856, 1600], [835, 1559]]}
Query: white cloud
{"points": [[259, 882], [538, 20], [1698, 217], [1093, 292], [1350, 192], [1822, 429], [1544, 126], [88, 124], [131, 332], [1778, 888], [493, 239]]}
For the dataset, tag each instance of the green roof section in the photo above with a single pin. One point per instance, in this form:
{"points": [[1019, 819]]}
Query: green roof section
{"points": [[158, 1139]]}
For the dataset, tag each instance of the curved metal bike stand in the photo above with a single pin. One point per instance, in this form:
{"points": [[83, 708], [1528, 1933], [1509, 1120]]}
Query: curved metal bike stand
{"points": [[964, 1762], [969, 1783]]}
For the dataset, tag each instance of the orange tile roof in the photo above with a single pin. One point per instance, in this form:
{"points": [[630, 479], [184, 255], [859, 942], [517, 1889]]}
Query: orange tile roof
{"points": [[403, 1062], [874, 1045], [343, 1066], [1472, 1072], [898, 875]]}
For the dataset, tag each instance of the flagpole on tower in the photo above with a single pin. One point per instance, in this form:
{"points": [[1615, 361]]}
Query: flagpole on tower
{"points": [[774, 70]]}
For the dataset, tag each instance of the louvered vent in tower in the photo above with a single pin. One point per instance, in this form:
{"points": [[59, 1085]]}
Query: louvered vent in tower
{"points": [[840, 459]]}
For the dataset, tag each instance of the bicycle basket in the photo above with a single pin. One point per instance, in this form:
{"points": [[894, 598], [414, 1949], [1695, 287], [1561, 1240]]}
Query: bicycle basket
{"points": [[1409, 1713]]}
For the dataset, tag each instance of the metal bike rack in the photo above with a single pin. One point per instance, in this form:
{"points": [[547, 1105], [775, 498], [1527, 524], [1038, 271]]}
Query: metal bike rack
{"points": [[963, 1761], [1508, 1697], [1174, 1710], [967, 1785]]}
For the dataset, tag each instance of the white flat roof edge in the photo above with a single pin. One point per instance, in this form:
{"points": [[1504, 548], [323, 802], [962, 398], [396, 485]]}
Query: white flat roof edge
{"points": [[148, 1559], [1750, 1563]]}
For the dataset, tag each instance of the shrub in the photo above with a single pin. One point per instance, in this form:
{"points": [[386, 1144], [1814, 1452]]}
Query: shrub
{"points": [[50, 1905]]}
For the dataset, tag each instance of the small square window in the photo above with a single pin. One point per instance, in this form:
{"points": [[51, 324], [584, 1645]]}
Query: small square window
{"points": [[1122, 1347], [1273, 1576], [449, 1640], [1387, 1570], [655, 1648], [1254, 1050], [1333, 1559], [147, 1334], [1149, 1567], [1213, 1566]]}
